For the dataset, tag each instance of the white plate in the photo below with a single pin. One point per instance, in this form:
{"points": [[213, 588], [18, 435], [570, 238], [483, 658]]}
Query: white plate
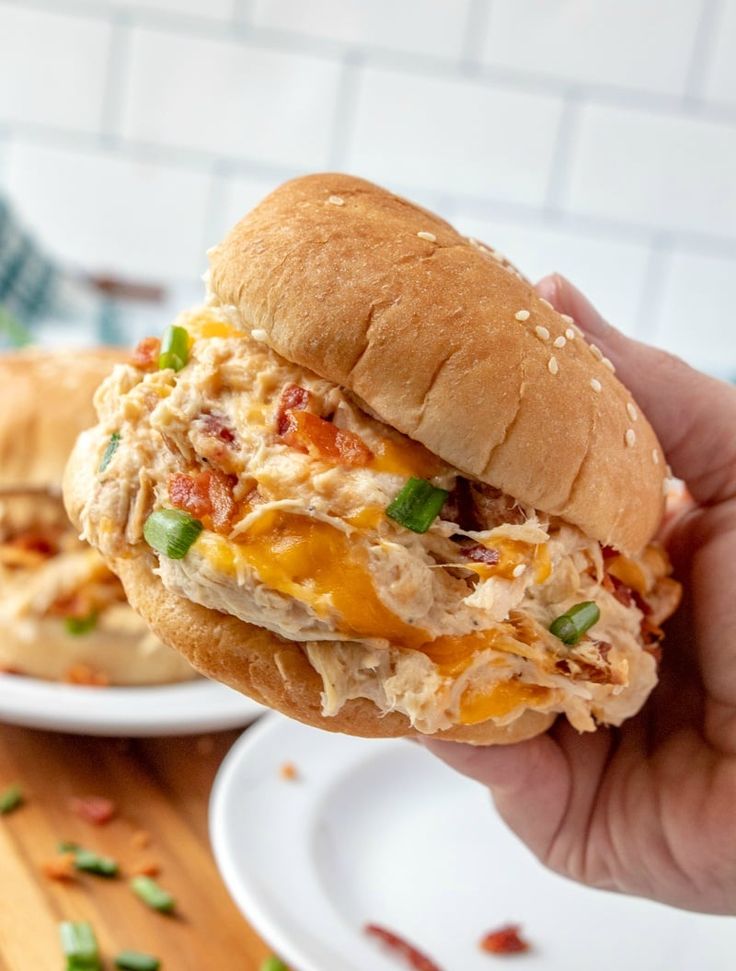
{"points": [[172, 709], [379, 831]]}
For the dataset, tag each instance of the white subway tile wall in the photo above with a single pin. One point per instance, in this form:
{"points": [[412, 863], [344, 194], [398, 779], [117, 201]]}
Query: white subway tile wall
{"points": [[597, 137], [631, 43]]}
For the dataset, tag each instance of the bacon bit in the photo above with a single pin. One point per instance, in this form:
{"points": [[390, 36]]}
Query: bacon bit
{"points": [[35, 541], [217, 427], [85, 675], [205, 495], [505, 940], [609, 553], [321, 438], [289, 772], [145, 356], [293, 398], [651, 632], [481, 554], [93, 809], [78, 604], [620, 591], [60, 867], [415, 958], [140, 839], [145, 868]]}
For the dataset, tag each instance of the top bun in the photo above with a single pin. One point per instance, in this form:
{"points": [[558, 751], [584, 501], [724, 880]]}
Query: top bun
{"points": [[46, 401], [443, 339]]}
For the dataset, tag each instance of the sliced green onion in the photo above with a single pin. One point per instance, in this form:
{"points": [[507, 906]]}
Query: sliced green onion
{"points": [[174, 348], [79, 945], [151, 894], [273, 964], [77, 626], [136, 961], [171, 532], [571, 625], [89, 862], [417, 505], [10, 799], [112, 447]]}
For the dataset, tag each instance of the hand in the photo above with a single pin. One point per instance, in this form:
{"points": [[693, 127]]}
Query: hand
{"points": [[650, 808]]}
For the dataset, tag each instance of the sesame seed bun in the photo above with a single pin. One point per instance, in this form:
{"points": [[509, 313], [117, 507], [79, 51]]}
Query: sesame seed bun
{"points": [[46, 401], [447, 343]]}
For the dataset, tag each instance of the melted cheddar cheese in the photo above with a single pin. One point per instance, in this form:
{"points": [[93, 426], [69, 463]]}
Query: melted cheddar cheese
{"points": [[513, 553], [313, 562], [478, 706], [406, 459]]}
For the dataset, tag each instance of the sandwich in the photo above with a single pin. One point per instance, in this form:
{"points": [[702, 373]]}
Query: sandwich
{"points": [[376, 483], [63, 613]]}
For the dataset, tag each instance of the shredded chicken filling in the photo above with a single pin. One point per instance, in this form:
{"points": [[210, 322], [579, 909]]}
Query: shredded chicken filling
{"points": [[291, 480]]}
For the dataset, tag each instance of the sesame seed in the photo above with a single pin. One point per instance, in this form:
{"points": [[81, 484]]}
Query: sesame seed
{"points": [[609, 364], [655, 456], [633, 413], [570, 334], [258, 334], [567, 318], [522, 315], [596, 352], [630, 437], [542, 333], [430, 237], [546, 303], [559, 342], [336, 201], [577, 330], [596, 385], [553, 366], [519, 569]]}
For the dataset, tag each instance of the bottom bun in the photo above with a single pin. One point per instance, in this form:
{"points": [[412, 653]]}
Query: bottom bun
{"points": [[276, 672]]}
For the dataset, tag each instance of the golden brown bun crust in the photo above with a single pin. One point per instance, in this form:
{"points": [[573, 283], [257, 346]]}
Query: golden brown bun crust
{"points": [[425, 333], [273, 671], [45, 401]]}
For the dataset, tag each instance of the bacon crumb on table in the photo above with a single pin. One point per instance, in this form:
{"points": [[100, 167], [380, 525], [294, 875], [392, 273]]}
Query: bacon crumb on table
{"points": [[505, 940], [140, 839], [289, 771], [414, 958], [60, 867], [93, 809], [145, 868]]}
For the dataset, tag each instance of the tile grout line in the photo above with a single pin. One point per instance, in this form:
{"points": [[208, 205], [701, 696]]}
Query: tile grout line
{"points": [[410, 62], [347, 95], [563, 153], [477, 25], [703, 45], [650, 299], [118, 65]]}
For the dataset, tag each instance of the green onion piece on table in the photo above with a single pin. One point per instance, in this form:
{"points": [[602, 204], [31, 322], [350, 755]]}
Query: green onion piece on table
{"points": [[79, 945], [273, 964], [136, 961], [78, 626], [417, 505], [152, 895], [571, 625], [10, 799], [89, 862], [174, 348], [171, 532], [112, 447]]}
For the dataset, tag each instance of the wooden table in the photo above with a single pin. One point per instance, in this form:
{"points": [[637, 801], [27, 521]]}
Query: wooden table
{"points": [[161, 788]]}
